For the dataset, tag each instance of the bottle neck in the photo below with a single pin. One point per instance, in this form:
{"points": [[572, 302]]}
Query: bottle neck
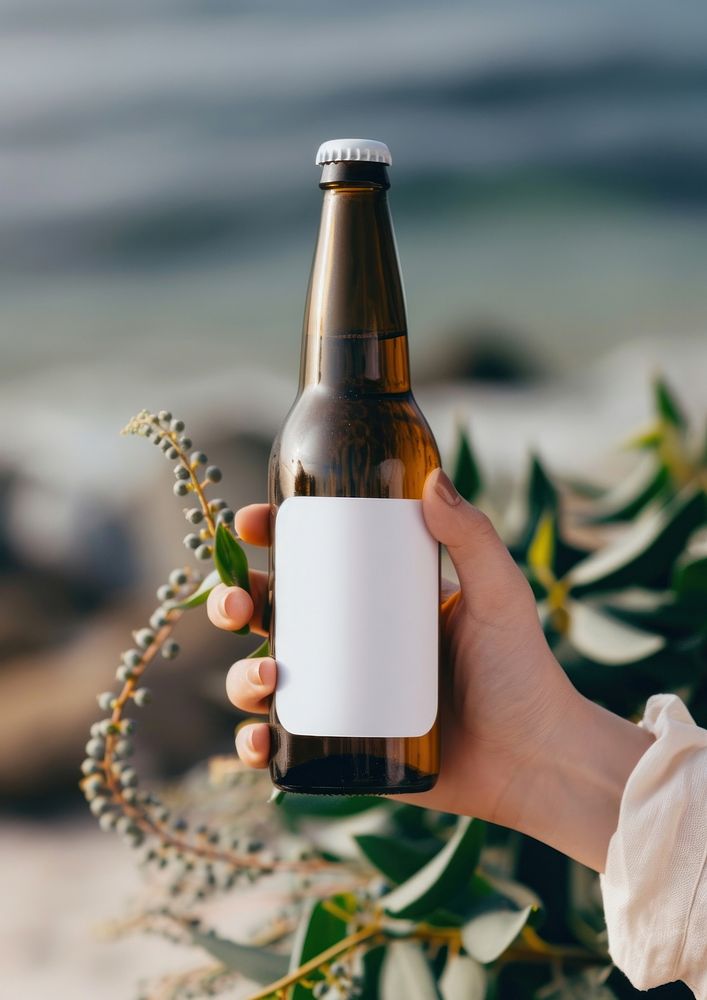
{"points": [[355, 329]]}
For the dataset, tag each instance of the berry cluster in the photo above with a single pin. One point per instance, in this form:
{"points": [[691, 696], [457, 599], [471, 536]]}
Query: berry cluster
{"points": [[199, 860]]}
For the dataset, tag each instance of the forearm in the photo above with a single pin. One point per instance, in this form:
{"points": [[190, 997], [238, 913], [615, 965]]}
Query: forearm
{"points": [[571, 794]]}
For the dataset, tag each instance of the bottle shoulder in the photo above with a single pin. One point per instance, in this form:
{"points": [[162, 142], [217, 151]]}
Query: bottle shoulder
{"points": [[341, 445]]}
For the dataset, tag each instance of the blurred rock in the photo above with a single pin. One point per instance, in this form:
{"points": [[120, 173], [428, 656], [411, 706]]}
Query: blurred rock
{"points": [[483, 352]]}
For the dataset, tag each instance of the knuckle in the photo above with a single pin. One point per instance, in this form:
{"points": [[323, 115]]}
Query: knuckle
{"points": [[481, 523]]}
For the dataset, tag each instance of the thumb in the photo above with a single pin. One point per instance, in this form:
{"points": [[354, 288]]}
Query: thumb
{"points": [[483, 563]]}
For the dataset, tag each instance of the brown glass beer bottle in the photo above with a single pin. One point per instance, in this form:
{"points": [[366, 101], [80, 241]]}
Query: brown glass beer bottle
{"points": [[354, 573]]}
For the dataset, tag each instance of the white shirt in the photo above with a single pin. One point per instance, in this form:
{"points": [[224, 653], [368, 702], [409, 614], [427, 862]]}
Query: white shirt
{"points": [[655, 883]]}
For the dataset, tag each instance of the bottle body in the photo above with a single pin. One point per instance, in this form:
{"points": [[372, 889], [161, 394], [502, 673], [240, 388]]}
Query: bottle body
{"points": [[355, 431]]}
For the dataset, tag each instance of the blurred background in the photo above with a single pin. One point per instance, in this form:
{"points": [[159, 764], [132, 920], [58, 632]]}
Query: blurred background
{"points": [[159, 206]]}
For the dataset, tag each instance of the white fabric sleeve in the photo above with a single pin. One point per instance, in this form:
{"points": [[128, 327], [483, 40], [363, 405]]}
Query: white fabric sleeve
{"points": [[655, 883]]}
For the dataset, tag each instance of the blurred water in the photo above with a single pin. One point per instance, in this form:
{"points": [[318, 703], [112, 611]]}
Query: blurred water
{"points": [[158, 187]]}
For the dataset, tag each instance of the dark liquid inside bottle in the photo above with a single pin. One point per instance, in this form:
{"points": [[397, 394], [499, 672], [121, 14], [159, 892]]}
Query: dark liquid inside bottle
{"points": [[354, 430]]}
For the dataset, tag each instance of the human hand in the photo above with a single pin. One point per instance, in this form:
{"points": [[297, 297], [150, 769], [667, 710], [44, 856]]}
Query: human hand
{"points": [[520, 746]]}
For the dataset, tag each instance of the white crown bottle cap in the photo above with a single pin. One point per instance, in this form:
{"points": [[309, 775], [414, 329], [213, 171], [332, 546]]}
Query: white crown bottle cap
{"points": [[368, 150]]}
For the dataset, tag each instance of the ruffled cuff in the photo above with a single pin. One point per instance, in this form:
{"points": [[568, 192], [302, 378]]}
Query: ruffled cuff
{"points": [[655, 883]]}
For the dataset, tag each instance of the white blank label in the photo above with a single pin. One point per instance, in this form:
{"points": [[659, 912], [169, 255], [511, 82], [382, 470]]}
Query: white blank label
{"points": [[356, 617]]}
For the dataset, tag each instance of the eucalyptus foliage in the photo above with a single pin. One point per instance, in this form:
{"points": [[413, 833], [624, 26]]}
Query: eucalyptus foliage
{"points": [[388, 900]]}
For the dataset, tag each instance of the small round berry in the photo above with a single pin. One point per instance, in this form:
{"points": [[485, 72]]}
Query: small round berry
{"points": [[144, 637], [131, 657], [107, 821], [166, 445], [123, 824], [90, 766], [171, 453], [128, 726], [185, 443], [225, 517], [157, 439], [165, 593], [194, 516], [158, 618], [180, 489], [217, 504], [213, 474], [181, 472], [192, 541], [198, 458], [143, 696], [99, 805], [95, 748], [204, 552], [178, 577], [94, 785], [105, 700], [123, 748], [170, 649], [165, 416], [177, 426], [128, 777], [124, 674]]}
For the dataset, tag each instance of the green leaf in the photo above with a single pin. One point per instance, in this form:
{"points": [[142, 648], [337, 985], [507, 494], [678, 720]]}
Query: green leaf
{"points": [[406, 974], [487, 936], [516, 893], [372, 964], [658, 611], [231, 564], [646, 550], [541, 551], [463, 979], [258, 964], [603, 639], [646, 482], [649, 439], [230, 559], [200, 594], [397, 859], [466, 476], [318, 930], [262, 650], [667, 405], [690, 577], [541, 499], [429, 887]]}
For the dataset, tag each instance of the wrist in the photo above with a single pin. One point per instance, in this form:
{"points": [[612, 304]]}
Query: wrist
{"points": [[569, 795]]}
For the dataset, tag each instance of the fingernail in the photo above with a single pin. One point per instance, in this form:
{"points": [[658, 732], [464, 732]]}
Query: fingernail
{"points": [[259, 739], [254, 674], [445, 488], [222, 604]]}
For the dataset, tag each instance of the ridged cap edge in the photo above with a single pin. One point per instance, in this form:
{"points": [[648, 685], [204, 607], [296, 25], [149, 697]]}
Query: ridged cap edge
{"points": [[350, 150]]}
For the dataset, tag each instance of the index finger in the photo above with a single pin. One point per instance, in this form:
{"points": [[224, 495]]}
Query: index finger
{"points": [[252, 524]]}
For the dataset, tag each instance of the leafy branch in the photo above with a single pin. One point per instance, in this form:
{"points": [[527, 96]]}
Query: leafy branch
{"points": [[109, 782]]}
